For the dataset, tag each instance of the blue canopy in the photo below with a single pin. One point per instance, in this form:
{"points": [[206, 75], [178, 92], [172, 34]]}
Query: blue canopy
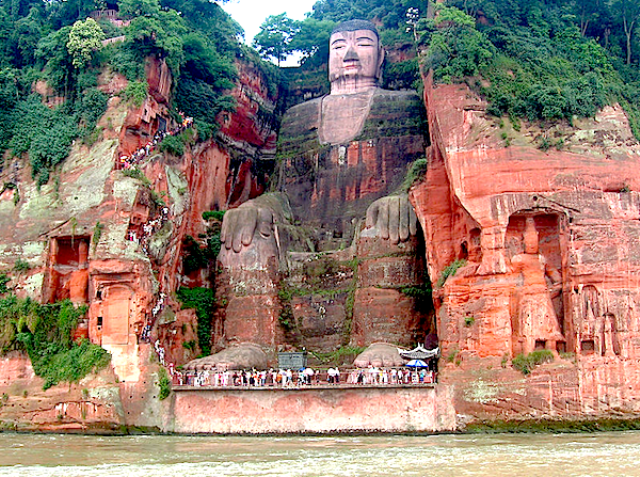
{"points": [[417, 363]]}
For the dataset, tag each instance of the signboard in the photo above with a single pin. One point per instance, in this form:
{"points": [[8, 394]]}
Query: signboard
{"points": [[292, 360]]}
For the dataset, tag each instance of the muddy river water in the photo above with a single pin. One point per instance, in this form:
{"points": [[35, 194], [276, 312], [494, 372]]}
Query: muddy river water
{"points": [[514, 455]]}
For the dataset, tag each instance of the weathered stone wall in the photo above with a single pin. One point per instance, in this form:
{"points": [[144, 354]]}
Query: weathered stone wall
{"points": [[92, 405], [326, 410], [486, 180]]}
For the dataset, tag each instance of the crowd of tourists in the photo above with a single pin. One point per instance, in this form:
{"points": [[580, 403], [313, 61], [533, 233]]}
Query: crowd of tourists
{"points": [[142, 236], [304, 377], [127, 162]]}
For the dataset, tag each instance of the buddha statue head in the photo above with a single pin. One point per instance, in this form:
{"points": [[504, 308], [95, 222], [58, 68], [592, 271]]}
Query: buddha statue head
{"points": [[355, 57]]}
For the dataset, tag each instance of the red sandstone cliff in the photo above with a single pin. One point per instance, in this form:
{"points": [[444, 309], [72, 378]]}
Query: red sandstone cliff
{"points": [[114, 242], [489, 189], [486, 186]]}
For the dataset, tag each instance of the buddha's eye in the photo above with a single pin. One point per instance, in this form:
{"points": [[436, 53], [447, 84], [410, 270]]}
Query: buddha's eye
{"points": [[364, 42]]}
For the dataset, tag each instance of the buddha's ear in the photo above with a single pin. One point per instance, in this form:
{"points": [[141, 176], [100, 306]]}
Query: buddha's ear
{"points": [[381, 54]]}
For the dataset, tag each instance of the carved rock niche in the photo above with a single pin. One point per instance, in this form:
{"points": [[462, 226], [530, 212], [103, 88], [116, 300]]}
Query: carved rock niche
{"points": [[535, 246]]}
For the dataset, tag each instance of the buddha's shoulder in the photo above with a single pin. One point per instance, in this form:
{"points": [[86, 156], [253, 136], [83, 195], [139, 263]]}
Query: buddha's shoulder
{"points": [[392, 95], [300, 124], [405, 100], [395, 113], [307, 111]]}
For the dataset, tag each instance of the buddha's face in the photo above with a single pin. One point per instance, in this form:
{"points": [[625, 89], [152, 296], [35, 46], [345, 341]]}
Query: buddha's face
{"points": [[355, 56]]}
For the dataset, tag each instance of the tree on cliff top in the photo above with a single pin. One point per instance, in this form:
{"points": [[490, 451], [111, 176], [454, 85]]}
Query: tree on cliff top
{"points": [[312, 38], [274, 38], [138, 8], [630, 18], [85, 38]]}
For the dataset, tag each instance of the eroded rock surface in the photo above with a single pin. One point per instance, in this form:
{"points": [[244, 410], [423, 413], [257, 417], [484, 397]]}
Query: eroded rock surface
{"points": [[113, 241], [480, 201]]}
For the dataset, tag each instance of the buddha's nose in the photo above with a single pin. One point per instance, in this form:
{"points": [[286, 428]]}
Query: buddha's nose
{"points": [[351, 55]]}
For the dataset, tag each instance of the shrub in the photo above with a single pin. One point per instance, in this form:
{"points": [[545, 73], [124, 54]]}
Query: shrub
{"points": [[4, 279], [21, 265], [402, 74], [45, 133], [545, 144], [194, 257], [173, 145], [450, 271], [416, 173], [136, 91], [525, 364], [213, 215], [190, 345], [92, 106], [422, 295], [203, 300], [44, 331], [127, 62], [453, 355], [164, 384], [97, 233], [136, 173]]}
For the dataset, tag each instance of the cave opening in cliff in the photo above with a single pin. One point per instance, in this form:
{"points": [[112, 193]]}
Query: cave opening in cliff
{"points": [[72, 251], [587, 346], [68, 269]]}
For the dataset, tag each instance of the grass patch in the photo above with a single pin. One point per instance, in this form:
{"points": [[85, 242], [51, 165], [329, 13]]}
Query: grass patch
{"points": [[525, 364], [341, 356], [553, 426], [453, 354]]}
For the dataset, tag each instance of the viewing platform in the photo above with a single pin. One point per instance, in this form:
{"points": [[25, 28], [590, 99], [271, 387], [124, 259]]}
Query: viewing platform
{"points": [[298, 388], [317, 409]]}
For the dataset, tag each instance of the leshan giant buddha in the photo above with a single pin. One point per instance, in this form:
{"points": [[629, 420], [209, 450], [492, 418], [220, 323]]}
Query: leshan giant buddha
{"points": [[340, 158]]}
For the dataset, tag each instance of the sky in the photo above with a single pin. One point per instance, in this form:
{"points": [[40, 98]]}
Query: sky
{"points": [[250, 14]]}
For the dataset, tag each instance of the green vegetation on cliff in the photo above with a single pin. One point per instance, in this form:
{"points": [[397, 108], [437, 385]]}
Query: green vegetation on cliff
{"points": [[45, 333], [52, 52], [204, 302], [541, 60]]}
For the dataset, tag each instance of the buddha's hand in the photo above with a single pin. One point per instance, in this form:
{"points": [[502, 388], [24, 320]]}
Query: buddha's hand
{"points": [[240, 225], [393, 217]]}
